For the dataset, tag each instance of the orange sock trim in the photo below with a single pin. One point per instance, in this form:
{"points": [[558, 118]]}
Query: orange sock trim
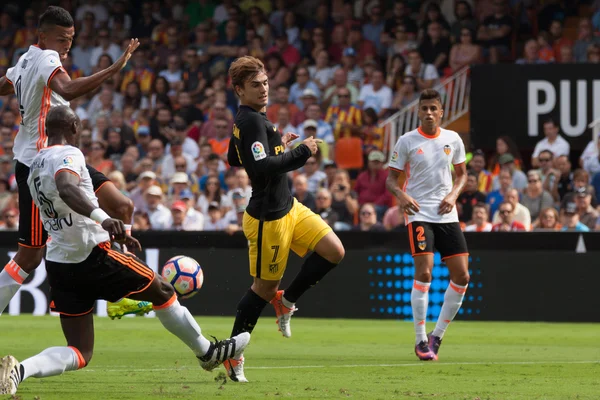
{"points": [[80, 360], [421, 288], [12, 269], [169, 303], [458, 289]]}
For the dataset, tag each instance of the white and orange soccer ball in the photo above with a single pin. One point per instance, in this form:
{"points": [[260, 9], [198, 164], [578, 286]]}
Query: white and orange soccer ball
{"points": [[184, 274]]}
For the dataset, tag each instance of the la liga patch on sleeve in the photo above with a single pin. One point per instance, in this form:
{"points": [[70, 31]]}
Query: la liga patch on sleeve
{"points": [[68, 161], [258, 151]]}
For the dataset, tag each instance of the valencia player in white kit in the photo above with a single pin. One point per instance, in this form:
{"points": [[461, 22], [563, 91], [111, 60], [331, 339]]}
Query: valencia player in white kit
{"points": [[40, 83], [422, 159], [83, 266]]}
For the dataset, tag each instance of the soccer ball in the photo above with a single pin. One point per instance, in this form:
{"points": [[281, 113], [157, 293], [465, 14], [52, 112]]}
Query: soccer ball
{"points": [[184, 274]]}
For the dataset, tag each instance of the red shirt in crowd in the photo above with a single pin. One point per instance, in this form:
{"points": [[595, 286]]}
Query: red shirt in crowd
{"points": [[516, 226], [372, 189]]}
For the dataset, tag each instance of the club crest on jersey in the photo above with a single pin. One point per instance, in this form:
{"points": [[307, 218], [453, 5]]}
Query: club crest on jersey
{"points": [[258, 151], [68, 160], [422, 245], [447, 150]]}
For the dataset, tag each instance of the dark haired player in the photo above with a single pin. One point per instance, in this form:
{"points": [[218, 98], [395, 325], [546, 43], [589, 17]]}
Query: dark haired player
{"points": [[274, 222], [423, 159], [83, 266], [40, 82]]}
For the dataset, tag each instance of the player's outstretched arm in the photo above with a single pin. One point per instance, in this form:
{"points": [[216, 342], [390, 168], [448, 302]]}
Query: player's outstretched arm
{"points": [[69, 89], [67, 183], [6, 87]]}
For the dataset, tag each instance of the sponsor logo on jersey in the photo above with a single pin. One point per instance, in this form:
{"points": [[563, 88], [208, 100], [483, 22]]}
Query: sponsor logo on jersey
{"points": [[68, 161], [447, 149], [258, 151]]}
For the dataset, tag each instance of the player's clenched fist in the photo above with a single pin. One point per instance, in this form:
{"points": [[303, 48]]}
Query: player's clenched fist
{"points": [[312, 144]]}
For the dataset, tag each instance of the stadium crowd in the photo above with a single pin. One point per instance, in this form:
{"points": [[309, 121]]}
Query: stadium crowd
{"points": [[161, 129]]}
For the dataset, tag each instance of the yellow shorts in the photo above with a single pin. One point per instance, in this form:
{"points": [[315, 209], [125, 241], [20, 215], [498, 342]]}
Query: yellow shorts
{"points": [[299, 230]]}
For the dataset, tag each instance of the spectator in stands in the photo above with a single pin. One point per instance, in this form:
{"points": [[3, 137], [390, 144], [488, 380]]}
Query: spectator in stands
{"points": [[279, 74], [282, 95], [435, 48], [506, 221], [354, 72], [344, 199], [156, 153], [301, 192], [340, 81], [215, 220], [194, 73], [105, 46], [7, 30], [218, 111], [547, 221], [505, 145], [465, 52], [323, 207], [314, 176], [145, 180], [495, 33], [212, 192], [401, 44], [298, 89], [593, 54], [425, 74], [178, 210], [374, 28], [173, 74], [141, 221], [401, 17], [321, 73], [480, 221], [158, 214], [566, 55], [10, 219], [552, 141], [469, 197], [97, 158], [373, 135], [534, 197], [433, 14], [484, 177], [370, 184], [283, 122], [406, 95], [564, 182], [585, 38], [531, 53], [220, 143], [396, 65], [589, 159], [547, 172], [570, 219], [520, 213], [496, 197], [5, 194], [587, 214], [324, 131], [368, 219], [393, 219], [519, 179], [463, 13], [289, 53], [557, 39], [376, 95], [345, 118], [168, 162]]}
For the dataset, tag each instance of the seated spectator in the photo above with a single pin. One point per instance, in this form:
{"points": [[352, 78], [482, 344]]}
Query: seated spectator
{"points": [[534, 197], [581, 180], [547, 221], [426, 75], [484, 177], [323, 207], [235, 225], [220, 143], [217, 111], [10, 219], [350, 65], [308, 98], [519, 179], [570, 219], [435, 47], [280, 100], [344, 199], [552, 142], [587, 214], [212, 193], [314, 176], [373, 135], [303, 82], [519, 213], [283, 122], [289, 54], [345, 118], [495, 33], [97, 158], [401, 44], [590, 158], [393, 218], [370, 184], [215, 220], [178, 210], [545, 52], [302, 194], [547, 172], [469, 198], [141, 221], [145, 180], [118, 179], [406, 95], [480, 221], [194, 219], [463, 12], [505, 145], [368, 219], [564, 182], [585, 37], [158, 214], [279, 74], [376, 95], [506, 222], [324, 131], [168, 163], [593, 54], [209, 164], [321, 73], [531, 53], [340, 81]]}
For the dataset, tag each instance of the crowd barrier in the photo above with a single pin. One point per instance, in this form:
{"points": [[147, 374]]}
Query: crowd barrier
{"points": [[529, 276]]}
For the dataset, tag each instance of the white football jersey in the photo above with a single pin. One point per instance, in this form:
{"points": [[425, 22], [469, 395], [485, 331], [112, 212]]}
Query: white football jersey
{"points": [[30, 78], [426, 161], [72, 235]]}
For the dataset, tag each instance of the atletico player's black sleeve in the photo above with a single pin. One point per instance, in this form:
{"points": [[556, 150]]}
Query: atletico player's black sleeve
{"points": [[232, 156], [255, 150]]}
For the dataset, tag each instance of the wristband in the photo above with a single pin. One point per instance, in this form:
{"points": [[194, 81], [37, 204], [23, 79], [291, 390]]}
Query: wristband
{"points": [[99, 215], [128, 229]]}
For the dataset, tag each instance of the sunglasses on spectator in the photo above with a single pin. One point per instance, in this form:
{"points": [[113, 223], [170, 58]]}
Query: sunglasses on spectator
{"points": [[504, 211], [180, 165], [322, 198], [366, 213], [545, 159]]}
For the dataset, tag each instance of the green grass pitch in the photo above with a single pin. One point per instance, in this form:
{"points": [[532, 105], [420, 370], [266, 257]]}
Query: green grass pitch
{"points": [[135, 358]]}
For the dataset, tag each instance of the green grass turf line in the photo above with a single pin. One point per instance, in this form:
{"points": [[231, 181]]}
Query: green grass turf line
{"points": [[135, 358]]}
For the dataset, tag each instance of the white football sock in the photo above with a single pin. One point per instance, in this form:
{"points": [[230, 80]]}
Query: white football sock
{"points": [[452, 302], [178, 320], [11, 278], [419, 299], [52, 361]]}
